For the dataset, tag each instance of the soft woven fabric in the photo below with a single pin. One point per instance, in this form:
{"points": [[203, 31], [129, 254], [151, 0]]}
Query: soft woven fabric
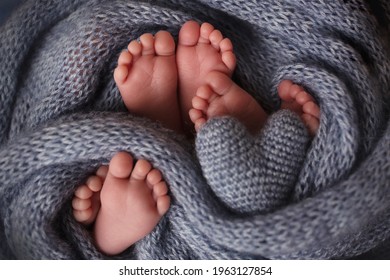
{"points": [[273, 196]]}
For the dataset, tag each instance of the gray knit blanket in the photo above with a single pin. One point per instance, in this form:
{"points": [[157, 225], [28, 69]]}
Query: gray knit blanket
{"points": [[278, 195]]}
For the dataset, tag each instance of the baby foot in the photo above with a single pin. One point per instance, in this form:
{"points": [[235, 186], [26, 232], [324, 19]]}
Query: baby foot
{"points": [[133, 200], [146, 76], [201, 50], [295, 98], [220, 96], [86, 200]]}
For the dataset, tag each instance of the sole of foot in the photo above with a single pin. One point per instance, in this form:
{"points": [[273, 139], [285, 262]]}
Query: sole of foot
{"points": [[146, 77], [133, 199]]}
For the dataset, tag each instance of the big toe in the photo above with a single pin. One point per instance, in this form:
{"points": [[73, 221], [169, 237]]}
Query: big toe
{"points": [[121, 165], [284, 90], [219, 82], [164, 44], [163, 204], [189, 34]]}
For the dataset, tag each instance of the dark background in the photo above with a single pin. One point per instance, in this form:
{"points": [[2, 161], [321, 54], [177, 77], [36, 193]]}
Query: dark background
{"points": [[6, 7]]}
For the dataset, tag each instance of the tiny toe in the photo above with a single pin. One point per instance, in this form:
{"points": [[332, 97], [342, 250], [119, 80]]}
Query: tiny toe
{"points": [[229, 59], [82, 216], [81, 204], [205, 31], [135, 48], [195, 115], [204, 92], [311, 108], [141, 170], [160, 189], [164, 44], [147, 42], [121, 73], [216, 38], [125, 58], [102, 171], [94, 183], [154, 177], [199, 103], [294, 90], [284, 90], [83, 192], [163, 204], [121, 165], [303, 97], [226, 45]]}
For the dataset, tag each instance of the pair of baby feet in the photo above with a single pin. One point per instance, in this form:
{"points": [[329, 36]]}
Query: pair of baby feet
{"points": [[192, 82]]}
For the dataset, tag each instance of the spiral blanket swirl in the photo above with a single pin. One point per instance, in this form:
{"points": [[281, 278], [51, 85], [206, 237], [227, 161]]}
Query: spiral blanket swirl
{"points": [[278, 195]]}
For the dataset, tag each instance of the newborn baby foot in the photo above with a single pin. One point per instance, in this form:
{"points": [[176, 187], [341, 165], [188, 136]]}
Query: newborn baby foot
{"points": [[125, 202], [220, 96], [147, 79], [201, 50], [86, 200], [295, 98], [133, 200]]}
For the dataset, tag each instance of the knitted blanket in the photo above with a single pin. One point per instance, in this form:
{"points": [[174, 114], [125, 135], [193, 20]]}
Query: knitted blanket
{"points": [[279, 195]]}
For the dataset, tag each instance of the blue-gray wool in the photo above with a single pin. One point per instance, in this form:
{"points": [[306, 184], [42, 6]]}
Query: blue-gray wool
{"points": [[276, 195]]}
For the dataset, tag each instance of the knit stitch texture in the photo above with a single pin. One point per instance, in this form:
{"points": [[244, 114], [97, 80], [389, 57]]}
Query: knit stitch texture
{"points": [[277, 195]]}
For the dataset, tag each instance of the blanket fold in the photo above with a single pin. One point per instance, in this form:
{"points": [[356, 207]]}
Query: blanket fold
{"points": [[62, 117]]}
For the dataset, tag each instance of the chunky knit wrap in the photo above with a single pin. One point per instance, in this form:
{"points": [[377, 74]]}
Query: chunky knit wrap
{"points": [[276, 195]]}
